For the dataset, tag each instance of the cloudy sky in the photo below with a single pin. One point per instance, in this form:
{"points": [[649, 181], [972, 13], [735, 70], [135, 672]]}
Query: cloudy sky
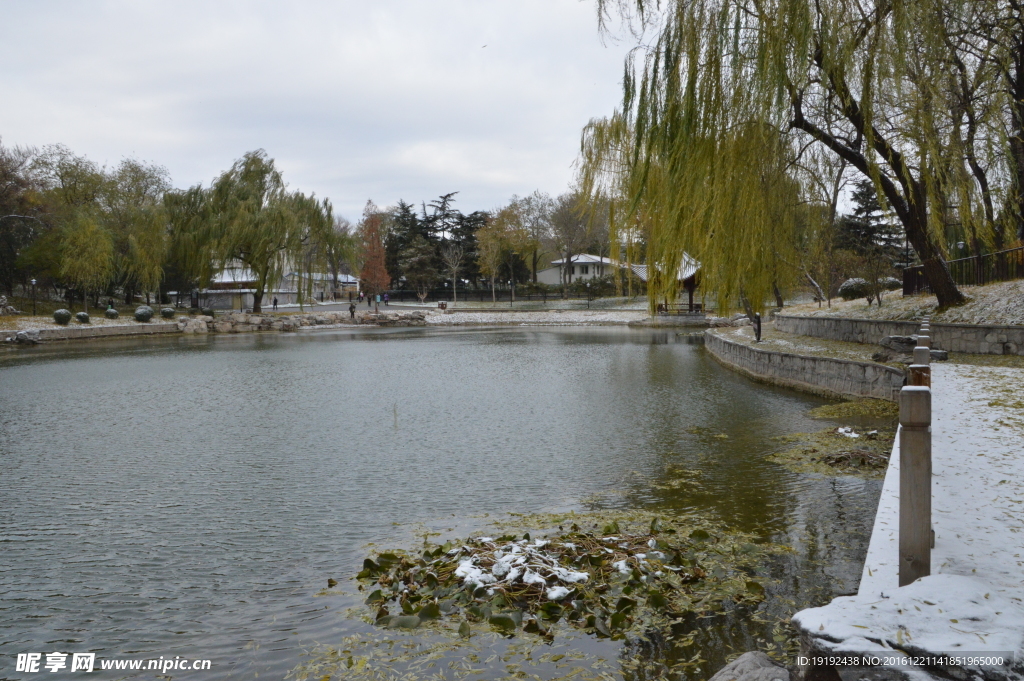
{"points": [[355, 99]]}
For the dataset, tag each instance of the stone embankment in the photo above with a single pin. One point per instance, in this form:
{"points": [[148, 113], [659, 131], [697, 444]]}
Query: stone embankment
{"points": [[816, 374], [981, 339], [241, 322], [33, 336]]}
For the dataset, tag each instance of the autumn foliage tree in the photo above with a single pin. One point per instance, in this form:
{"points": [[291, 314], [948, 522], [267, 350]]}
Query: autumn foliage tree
{"points": [[374, 277]]}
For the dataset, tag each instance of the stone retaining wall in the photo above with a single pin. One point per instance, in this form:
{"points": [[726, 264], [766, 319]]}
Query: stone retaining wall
{"points": [[86, 331], [820, 375], [972, 338]]}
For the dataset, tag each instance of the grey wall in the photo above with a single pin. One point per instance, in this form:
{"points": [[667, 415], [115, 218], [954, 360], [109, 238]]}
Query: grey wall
{"points": [[973, 338], [821, 375]]}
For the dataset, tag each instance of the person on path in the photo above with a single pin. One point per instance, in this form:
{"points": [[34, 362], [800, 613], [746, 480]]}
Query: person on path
{"points": [[376, 306], [368, 301], [386, 299], [275, 303], [352, 310]]}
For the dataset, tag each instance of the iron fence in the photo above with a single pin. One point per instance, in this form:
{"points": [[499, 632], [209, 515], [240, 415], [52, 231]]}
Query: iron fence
{"points": [[973, 271], [480, 296]]}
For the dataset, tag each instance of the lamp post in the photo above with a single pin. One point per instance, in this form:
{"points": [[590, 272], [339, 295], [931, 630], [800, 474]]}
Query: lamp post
{"points": [[511, 294], [33, 297], [588, 295]]}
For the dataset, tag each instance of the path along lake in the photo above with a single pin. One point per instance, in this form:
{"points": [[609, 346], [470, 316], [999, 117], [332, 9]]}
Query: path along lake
{"points": [[191, 496]]}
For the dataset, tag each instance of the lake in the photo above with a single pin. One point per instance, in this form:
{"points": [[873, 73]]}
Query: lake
{"points": [[191, 495]]}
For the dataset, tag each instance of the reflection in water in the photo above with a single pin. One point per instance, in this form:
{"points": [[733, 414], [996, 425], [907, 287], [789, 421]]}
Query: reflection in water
{"points": [[189, 496]]}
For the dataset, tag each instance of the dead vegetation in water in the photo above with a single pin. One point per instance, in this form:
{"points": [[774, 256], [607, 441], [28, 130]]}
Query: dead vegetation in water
{"points": [[858, 409], [516, 604], [838, 451]]}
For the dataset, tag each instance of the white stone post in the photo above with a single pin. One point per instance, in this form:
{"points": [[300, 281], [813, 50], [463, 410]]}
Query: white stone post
{"points": [[915, 483]]}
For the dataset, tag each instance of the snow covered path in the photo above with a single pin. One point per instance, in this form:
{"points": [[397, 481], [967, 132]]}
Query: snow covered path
{"points": [[977, 483], [974, 599]]}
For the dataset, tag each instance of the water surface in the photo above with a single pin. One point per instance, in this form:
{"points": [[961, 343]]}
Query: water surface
{"points": [[190, 496]]}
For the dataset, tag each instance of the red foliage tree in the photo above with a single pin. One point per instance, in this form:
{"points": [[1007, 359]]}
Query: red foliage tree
{"points": [[373, 277]]}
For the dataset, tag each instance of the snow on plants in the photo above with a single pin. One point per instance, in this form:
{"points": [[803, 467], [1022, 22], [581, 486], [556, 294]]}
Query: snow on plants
{"points": [[605, 581]]}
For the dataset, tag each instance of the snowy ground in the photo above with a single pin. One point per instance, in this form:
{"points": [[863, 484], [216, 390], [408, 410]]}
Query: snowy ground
{"points": [[545, 317], [974, 599], [1001, 303]]}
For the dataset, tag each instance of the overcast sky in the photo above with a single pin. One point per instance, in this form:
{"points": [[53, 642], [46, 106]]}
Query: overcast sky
{"points": [[356, 100]]}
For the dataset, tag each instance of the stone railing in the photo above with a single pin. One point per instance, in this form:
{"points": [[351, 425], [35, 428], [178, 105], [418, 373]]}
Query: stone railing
{"points": [[972, 338], [820, 375]]}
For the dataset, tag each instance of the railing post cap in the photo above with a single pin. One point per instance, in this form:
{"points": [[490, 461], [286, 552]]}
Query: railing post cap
{"points": [[922, 355], [915, 406]]}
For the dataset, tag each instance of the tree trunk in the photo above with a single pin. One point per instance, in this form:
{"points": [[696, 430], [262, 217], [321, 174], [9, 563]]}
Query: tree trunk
{"points": [[257, 301], [455, 295], [494, 297], [778, 295], [820, 294]]}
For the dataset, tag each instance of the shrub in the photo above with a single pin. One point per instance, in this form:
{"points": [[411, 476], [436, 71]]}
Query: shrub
{"points": [[890, 283], [110, 313], [167, 313], [600, 287], [143, 313], [194, 310], [851, 289], [208, 311], [82, 317], [527, 288], [62, 316]]}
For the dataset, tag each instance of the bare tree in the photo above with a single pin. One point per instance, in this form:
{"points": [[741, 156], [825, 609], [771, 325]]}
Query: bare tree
{"points": [[452, 256], [570, 233]]}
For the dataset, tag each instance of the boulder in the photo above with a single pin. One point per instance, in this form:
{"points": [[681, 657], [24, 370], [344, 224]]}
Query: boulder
{"points": [[753, 666], [901, 344], [939, 355], [190, 325], [6, 309], [27, 337]]}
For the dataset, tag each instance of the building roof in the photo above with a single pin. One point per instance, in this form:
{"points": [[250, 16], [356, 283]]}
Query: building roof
{"points": [[687, 265], [586, 259]]}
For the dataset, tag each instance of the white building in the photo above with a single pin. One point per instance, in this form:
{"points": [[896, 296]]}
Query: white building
{"points": [[233, 287], [582, 266], [587, 266]]}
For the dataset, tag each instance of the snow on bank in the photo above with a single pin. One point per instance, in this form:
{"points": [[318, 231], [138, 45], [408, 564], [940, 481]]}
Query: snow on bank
{"points": [[1000, 303], [537, 318], [974, 599]]}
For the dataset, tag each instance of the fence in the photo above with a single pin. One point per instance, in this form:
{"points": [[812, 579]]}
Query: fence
{"points": [[479, 296], [683, 309], [973, 271]]}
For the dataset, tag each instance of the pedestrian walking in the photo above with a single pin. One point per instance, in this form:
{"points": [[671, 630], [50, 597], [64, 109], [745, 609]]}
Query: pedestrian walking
{"points": [[275, 303], [352, 310], [369, 302], [386, 299]]}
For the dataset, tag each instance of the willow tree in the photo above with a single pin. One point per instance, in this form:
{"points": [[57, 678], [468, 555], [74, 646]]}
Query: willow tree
{"points": [[730, 86], [252, 220], [87, 254], [132, 198]]}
